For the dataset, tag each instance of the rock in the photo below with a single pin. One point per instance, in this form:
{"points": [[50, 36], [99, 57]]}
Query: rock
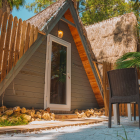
{"points": [[83, 115], [3, 108], [31, 112], [83, 111], [95, 109], [32, 119], [79, 115], [41, 111], [27, 117], [4, 117], [16, 114], [16, 109], [23, 110], [46, 116], [37, 115], [80, 111], [87, 113], [37, 119], [48, 110], [76, 111], [91, 111], [96, 112], [52, 116], [8, 112]]}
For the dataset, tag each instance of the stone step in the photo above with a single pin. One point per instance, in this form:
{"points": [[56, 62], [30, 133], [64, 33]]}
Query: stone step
{"points": [[62, 112], [65, 116]]}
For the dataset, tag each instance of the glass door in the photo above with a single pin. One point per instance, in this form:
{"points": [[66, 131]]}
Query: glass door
{"points": [[58, 70]]}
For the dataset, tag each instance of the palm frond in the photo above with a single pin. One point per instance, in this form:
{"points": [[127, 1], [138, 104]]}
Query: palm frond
{"points": [[131, 59]]}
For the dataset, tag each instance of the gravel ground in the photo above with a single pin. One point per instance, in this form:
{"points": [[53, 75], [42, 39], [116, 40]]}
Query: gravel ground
{"points": [[126, 131]]}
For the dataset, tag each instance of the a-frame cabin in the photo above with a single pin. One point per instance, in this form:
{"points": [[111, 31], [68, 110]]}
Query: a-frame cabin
{"points": [[59, 73]]}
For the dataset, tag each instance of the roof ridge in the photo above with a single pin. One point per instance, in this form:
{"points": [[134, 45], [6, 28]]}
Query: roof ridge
{"points": [[44, 9]]}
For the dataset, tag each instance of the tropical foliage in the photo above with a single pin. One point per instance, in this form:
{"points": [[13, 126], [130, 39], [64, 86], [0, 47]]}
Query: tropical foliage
{"points": [[98, 10], [39, 5], [131, 59], [8, 5]]}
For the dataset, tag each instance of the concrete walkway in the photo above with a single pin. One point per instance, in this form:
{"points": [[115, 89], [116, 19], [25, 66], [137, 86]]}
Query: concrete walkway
{"points": [[49, 125]]}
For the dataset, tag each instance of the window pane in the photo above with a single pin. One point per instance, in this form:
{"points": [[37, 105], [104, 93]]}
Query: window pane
{"points": [[58, 74]]}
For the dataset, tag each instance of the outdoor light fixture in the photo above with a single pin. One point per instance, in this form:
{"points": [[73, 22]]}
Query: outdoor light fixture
{"points": [[60, 32]]}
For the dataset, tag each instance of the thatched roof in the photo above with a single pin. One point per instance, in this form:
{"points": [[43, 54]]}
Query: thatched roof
{"points": [[114, 37], [42, 17]]}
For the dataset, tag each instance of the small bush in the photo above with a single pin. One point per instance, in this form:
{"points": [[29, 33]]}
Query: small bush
{"points": [[12, 121]]}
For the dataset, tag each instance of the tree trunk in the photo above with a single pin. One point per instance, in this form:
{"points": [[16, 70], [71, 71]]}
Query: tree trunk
{"points": [[5, 6]]}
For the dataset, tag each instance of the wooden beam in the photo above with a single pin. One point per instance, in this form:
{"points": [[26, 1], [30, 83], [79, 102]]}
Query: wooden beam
{"points": [[83, 39], [41, 32], [21, 62], [68, 22], [97, 62]]}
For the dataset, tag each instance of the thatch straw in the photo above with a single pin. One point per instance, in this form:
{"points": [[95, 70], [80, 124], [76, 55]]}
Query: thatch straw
{"points": [[42, 17], [112, 38]]}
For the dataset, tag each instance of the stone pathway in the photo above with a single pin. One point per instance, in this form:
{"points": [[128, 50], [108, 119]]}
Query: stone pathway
{"points": [[49, 125]]}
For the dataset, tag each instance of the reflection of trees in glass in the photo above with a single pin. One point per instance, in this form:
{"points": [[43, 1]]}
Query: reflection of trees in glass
{"points": [[58, 74], [59, 62]]}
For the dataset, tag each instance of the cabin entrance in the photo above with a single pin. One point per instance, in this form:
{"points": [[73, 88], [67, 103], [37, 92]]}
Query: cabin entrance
{"points": [[58, 74]]}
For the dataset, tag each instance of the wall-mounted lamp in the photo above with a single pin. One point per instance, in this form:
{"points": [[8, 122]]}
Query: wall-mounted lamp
{"points": [[60, 32]]}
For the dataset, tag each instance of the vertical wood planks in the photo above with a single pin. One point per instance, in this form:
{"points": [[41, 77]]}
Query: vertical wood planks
{"points": [[106, 67], [1, 13], [104, 85], [120, 109], [123, 111], [24, 25], [35, 34], [27, 37], [31, 36], [13, 39], [17, 47], [126, 112], [3, 33], [7, 43]]}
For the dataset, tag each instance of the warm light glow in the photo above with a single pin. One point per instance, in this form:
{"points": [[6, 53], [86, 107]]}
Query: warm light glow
{"points": [[60, 34]]}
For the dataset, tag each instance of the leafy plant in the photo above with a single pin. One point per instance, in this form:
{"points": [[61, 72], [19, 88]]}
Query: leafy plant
{"points": [[13, 121], [39, 5], [131, 59], [10, 4], [99, 10]]}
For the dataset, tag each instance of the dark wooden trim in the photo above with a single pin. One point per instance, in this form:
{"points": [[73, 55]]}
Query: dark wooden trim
{"points": [[83, 39], [21, 62], [68, 22]]}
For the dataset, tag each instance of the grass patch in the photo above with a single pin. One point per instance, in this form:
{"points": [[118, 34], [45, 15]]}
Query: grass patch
{"points": [[12, 121]]}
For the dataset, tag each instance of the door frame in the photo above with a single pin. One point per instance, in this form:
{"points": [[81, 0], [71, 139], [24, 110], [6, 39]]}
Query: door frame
{"points": [[66, 107]]}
